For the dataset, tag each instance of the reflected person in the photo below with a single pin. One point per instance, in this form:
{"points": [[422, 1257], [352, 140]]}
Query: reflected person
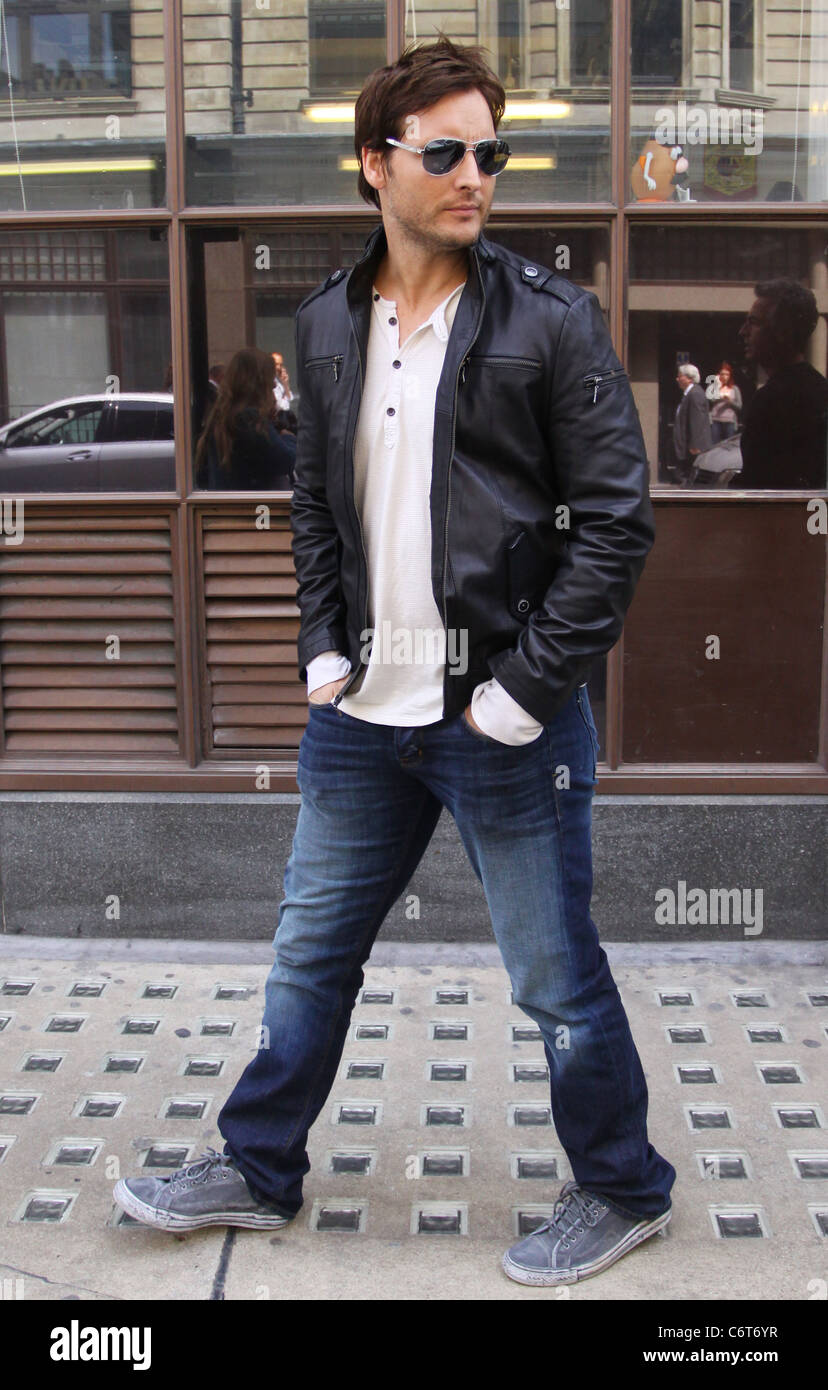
{"points": [[691, 432], [240, 446], [786, 423]]}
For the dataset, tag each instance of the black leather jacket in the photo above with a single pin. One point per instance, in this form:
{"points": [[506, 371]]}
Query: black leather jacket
{"points": [[540, 513]]}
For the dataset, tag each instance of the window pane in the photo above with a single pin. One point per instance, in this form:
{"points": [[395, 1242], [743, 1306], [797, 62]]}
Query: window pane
{"points": [[75, 331], [270, 95], [554, 63], [693, 300], [82, 87], [731, 104], [722, 644]]}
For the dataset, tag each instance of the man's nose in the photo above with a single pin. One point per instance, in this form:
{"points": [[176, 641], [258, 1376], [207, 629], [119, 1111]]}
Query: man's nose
{"points": [[468, 172]]}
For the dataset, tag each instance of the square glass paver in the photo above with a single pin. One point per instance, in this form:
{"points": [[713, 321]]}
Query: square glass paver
{"points": [[737, 1224], [440, 1219], [697, 1074], [46, 1206], [798, 1116], [708, 1117], [810, 1165], [66, 1023], [780, 1073]]}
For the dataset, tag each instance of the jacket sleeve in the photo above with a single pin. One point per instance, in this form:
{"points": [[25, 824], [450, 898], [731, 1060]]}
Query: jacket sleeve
{"points": [[315, 537], [600, 468]]}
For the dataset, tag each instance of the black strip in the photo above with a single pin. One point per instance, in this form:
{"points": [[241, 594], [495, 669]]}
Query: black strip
{"points": [[217, 1291]]}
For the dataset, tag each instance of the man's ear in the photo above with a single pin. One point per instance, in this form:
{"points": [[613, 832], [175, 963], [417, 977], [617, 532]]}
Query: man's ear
{"points": [[374, 167]]}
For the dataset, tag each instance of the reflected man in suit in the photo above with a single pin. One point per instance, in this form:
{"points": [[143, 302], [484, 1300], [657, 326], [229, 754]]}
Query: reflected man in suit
{"points": [[691, 433]]}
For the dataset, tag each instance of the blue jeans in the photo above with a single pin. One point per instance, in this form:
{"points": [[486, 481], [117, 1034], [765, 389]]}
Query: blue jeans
{"points": [[371, 798]]}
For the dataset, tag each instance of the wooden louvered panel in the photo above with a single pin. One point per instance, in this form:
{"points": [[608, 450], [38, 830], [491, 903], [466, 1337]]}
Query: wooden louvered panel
{"points": [[72, 586], [108, 609], [82, 563], [86, 698], [100, 586], [112, 675], [252, 625]]}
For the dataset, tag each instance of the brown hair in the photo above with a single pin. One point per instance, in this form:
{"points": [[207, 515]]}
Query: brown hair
{"points": [[247, 383], [421, 76], [729, 368]]}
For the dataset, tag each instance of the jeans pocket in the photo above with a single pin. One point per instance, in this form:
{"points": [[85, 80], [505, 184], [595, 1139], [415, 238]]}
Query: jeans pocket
{"points": [[473, 733]]}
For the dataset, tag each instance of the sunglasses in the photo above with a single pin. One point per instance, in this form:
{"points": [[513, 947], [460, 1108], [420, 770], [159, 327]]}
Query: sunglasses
{"points": [[444, 154]]}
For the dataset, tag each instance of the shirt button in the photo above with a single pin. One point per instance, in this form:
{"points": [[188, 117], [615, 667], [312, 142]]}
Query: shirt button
{"points": [[392, 321], [390, 410], [397, 363], [376, 297]]}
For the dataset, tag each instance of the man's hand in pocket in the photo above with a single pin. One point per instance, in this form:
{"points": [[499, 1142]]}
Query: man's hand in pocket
{"points": [[325, 693]]}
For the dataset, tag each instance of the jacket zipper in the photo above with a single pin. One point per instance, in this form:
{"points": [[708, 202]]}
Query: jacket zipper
{"points": [[596, 380], [326, 362], [461, 376], [504, 361], [352, 436]]}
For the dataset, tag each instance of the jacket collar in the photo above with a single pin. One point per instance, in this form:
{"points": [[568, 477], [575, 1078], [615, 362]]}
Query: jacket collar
{"points": [[361, 279], [362, 275]]}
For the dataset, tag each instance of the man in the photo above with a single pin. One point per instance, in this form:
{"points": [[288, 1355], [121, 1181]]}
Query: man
{"points": [[281, 386], [460, 409], [691, 433], [784, 438]]}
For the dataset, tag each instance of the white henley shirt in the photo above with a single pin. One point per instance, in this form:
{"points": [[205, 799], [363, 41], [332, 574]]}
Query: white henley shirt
{"points": [[403, 683]]}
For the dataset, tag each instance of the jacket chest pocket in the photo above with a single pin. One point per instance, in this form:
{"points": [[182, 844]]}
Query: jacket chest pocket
{"points": [[332, 364], [530, 575], [529, 365]]}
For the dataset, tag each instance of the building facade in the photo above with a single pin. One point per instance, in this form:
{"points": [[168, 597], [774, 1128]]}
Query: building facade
{"points": [[176, 176]]}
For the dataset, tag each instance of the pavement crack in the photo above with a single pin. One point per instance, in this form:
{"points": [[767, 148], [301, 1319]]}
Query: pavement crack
{"points": [[217, 1291], [60, 1283]]}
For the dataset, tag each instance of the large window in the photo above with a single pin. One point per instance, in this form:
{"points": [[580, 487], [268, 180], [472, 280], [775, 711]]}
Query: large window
{"points": [[84, 336], [739, 104], [270, 95], [63, 50], [82, 104], [758, 416]]}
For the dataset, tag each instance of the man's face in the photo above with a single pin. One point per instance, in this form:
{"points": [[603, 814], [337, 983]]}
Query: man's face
{"points": [[755, 333], [445, 212], [279, 364], [682, 382]]}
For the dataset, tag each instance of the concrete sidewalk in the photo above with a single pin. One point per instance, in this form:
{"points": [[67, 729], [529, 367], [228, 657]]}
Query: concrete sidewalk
{"points": [[435, 1148]]}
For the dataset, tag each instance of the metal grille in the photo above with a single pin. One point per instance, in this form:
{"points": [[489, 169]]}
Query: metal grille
{"points": [[71, 257]]}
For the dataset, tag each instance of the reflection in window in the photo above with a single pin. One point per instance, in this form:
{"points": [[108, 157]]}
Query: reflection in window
{"points": [[84, 321], [82, 88], [741, 45], [772, 146], [749, 314], [591, 42], [509, 35], [656, 42], [63, 50], [347, 41]]}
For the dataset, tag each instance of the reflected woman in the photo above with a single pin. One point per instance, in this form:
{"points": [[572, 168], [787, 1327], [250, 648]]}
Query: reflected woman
{"points": [[725, 404], [240, 447]]}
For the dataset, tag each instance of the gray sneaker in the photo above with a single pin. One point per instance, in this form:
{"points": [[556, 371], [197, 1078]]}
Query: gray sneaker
{"points": [[583, 1237], [209, 1192]]}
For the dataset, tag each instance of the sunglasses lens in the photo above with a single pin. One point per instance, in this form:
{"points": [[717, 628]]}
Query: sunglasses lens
{"points": [[441, 156], [492, 156]]}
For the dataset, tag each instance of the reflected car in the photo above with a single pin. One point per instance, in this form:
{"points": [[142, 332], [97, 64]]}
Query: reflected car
{"points": [[121, 442]]}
